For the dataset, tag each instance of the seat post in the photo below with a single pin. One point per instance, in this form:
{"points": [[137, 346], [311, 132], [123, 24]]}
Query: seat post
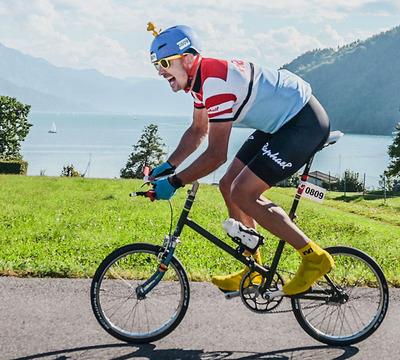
{"points": [[307, 169], [300, 189]]}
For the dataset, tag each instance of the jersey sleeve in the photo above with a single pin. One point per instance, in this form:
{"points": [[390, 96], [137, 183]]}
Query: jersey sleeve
{"points": [[218, 100], [198, 104]]}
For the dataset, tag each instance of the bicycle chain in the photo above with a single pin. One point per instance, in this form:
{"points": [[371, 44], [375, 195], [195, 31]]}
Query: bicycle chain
{"points": [[281, 311]]}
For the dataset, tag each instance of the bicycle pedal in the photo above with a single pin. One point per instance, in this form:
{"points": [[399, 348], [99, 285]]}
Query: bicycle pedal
{"points": [[231, 294]]}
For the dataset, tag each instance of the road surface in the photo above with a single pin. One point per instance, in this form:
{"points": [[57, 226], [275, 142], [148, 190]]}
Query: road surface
{"points": [[52, 319]]}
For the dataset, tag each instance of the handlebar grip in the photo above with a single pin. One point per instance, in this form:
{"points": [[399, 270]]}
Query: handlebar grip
{"points": [[151, 194], [138, 193]]}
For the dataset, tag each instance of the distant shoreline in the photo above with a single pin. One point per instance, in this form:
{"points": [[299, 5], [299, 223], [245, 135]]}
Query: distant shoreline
{"points": [[136, 116]]}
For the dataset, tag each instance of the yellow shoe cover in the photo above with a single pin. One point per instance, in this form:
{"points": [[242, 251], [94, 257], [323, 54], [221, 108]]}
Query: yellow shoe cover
{"points": [[315, 264], [232, 282]]}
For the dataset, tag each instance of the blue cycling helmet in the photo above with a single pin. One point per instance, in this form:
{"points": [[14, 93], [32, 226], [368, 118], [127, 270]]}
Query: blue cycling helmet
{"points": [[176, 40]]}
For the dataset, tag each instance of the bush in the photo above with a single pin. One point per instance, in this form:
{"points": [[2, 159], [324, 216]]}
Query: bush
{"points": [[349, 182], [292, 181], [69, 171], [13, 167]]}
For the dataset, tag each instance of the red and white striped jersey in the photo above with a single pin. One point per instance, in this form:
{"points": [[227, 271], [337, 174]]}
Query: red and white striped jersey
{"points": [[245, 93]]}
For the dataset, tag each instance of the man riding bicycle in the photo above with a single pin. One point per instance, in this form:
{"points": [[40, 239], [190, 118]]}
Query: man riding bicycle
{"points": [[290, 126]]}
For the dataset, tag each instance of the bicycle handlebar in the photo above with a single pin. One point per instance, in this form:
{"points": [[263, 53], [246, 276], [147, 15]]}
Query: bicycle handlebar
{"points": [[151, 194]]}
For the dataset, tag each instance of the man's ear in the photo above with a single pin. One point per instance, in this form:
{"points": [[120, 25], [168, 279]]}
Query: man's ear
{"points": [[189, 59]]}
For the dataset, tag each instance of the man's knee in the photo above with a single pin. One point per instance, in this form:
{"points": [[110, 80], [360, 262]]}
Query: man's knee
{"points": [[237, 193], [225, 185]]}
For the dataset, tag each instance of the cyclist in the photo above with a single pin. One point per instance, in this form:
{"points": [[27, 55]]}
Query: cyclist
{"points": [[290, 126]]}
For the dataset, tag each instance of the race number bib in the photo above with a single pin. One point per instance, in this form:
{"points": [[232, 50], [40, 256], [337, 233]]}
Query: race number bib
{"points": [[314, 192]]}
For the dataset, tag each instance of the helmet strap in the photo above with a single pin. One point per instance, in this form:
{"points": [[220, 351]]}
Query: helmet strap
{"points": [[191, 72]]}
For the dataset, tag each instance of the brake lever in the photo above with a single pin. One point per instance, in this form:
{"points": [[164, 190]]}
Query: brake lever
{"points": [[146, 175]]}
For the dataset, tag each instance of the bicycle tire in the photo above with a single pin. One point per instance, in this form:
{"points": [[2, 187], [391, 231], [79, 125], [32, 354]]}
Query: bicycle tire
{"points": [[116, 305], [343, 324]]}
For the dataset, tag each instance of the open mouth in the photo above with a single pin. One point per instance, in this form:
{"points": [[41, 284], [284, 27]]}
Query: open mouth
{"points": [[171, 79]]}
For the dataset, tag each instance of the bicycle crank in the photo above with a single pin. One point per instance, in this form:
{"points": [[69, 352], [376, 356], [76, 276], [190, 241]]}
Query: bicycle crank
{"points": [[254, 299]]}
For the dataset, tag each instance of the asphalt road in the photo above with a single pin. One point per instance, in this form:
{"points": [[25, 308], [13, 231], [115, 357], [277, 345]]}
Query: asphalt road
{"points": [[52, 319]]}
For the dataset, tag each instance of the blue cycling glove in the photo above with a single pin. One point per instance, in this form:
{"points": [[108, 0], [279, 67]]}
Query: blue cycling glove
{"points": [[164, 189], [163, 170]]}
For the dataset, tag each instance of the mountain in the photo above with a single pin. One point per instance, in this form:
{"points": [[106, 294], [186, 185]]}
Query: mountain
{"points": [[34, 81], [39, 100], [358, 84]]}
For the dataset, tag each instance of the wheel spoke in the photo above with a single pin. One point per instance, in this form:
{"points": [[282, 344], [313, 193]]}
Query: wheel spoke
{"points": [[117, 306], [354, 315]]}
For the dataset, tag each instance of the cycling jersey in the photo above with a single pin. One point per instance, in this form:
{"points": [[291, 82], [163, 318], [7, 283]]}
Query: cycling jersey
{"points": [[248, 94]]}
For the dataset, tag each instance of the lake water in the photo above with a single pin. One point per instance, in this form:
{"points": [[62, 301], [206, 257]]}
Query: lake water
{"points": [[99, 144]]}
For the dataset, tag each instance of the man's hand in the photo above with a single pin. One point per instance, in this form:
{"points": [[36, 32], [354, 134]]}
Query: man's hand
{"points": [[162, 170], [166, 188]]}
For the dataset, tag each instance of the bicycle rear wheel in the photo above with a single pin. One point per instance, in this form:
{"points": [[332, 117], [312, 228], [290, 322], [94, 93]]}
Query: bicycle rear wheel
{"points": [[351, 318], [124, 314]]}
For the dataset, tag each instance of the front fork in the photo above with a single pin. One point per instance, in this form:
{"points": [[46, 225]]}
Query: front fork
{"points": [[169, 246], [165, 257]]}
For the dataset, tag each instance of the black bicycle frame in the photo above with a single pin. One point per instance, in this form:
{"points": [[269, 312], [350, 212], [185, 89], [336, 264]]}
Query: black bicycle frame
{"points": [[237, 253], [185, 220], [267, 272]]}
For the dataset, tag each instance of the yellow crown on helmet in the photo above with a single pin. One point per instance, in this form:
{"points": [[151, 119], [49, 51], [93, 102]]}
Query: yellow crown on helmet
{"points": [[151, 27]]}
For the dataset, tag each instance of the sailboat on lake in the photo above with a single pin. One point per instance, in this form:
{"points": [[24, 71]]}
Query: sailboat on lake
{"points": [[53, 129]]}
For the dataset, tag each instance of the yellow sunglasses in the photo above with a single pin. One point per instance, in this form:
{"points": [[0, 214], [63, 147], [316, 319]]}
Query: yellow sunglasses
{"points": [[165, 62]]}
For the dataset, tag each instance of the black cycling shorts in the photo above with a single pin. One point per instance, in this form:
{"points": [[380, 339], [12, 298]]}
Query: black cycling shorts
{"points": [[274, 157]]}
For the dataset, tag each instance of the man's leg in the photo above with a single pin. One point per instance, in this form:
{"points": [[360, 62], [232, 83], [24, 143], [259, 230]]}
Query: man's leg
{"points": [[246, 153], [247, 190], [246, 194], [225, 185], [231, 282]]}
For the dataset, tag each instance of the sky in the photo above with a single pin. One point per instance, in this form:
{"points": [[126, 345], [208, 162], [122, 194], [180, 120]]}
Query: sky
{"points": [[111, 36]]}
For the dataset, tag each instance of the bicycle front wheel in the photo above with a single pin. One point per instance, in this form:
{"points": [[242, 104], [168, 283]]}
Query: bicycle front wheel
{"points": [[119, 309], [358, 312]]}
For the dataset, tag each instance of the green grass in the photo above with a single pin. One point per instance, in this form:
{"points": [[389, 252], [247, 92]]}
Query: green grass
{"points": [[64, 227]]}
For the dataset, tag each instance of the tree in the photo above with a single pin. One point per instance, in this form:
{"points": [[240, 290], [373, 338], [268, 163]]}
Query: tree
{"points": [[349, 182], [394, 153], [147, 152], [14, 127], [387, 182]]}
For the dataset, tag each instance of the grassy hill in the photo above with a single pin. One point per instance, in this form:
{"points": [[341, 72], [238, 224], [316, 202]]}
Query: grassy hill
{"points": [[64, 227]]}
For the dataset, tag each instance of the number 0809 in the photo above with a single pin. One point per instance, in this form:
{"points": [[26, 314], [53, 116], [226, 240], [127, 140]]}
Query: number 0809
{"points": [[316, 193]]}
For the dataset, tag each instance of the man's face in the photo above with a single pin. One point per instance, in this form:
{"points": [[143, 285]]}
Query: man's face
{"points": [[176, 74]]}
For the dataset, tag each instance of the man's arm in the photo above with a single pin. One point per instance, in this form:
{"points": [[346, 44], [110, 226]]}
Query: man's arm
{"points": [[213, 157], [192, 138]]}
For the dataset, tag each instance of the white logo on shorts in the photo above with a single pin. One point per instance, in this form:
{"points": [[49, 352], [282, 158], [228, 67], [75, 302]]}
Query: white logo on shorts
{"points": [[274, 157]]}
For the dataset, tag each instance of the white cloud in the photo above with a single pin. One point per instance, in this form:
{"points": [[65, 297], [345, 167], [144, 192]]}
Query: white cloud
{"points": [[282, 45], [332, 36], [110, 35]]}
